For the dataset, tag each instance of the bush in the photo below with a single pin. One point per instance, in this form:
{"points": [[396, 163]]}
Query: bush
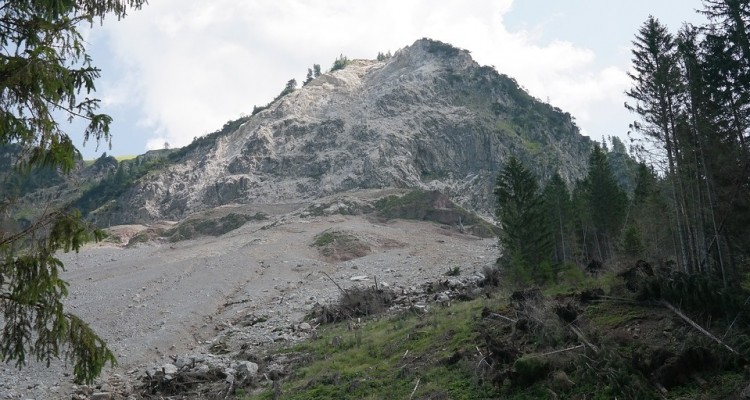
{"points": [[357, 302], [340, 63], [340, 246], [210, 227], [491, 275], [529, 370]]}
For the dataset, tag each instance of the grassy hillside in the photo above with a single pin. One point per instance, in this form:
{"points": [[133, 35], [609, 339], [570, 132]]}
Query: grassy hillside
{"points": [[596, 342]]}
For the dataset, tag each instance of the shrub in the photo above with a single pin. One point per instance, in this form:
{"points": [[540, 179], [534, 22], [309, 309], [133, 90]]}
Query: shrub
{"points": [[529, 370], [340, 63], [357, 302]]}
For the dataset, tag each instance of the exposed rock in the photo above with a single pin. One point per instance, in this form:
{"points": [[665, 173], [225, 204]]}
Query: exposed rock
{"points": [[429, 117], [247, 369], [101, 396], [169, 369]]}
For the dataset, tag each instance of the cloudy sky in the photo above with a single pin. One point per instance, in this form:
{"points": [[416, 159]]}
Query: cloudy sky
{"points": [[178, 69]]}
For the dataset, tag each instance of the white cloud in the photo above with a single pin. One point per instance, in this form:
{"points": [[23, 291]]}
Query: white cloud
{"points": [[193, 65]]}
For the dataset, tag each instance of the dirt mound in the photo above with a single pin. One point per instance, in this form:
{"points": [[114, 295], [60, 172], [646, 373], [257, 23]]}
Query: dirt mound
{"points": [[335, 245]]}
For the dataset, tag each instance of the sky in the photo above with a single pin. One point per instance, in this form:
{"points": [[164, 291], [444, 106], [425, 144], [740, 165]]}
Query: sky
{"points": [[179, 69]]}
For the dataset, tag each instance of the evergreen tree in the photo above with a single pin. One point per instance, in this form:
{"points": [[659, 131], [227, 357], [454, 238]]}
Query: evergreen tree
{"points": [[340, 63], [525, 237], [606, 202], [44, 68], [656, 88], [309, 77], [316, 70], [290, 87], [558, 208]]}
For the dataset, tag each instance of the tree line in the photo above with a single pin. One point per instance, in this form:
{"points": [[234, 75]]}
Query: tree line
{"points": [[688, 204]]}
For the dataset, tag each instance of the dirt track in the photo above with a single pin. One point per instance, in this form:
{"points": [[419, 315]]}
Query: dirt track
{"points": [[158, 300]]}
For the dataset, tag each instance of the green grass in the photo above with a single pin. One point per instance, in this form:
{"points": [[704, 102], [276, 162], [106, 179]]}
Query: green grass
{"points": [[385, 358], [443, 349], [326, 238], [126, 157], [614, 315]]}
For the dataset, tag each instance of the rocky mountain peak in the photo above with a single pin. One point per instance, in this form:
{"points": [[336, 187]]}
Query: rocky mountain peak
{"points": [[429, 117]]}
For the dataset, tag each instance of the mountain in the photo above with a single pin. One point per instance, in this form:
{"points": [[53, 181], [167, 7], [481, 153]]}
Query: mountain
{"points": [[429, 117]]}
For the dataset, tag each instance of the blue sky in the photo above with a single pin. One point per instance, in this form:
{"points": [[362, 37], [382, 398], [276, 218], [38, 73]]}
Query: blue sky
{"points": [[178, 69]]}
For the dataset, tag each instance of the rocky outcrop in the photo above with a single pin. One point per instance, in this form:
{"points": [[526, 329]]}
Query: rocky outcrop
{"points": [[429, 117]]}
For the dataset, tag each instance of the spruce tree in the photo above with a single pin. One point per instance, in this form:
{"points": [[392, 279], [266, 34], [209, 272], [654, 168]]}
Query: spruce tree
{"points": [[525, 237], [558, 208], [655, 92], [45, 72], [606, 201]]}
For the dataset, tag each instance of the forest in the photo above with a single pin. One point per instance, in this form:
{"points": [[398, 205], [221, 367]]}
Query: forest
{"points": [[687, 207]]}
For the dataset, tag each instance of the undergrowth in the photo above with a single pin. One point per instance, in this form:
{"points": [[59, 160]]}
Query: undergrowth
{"points": [[581, 337]]}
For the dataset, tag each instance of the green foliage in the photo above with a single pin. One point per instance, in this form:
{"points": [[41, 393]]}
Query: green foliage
{"points": [[111, 187], [340, 246], [193, 228], [384, 56], [440, 48], [691, 92], [45, 72], [290, 87], [205, 141], [529, 370], [604, 203], [326, 238], [383, 358], [520, 208], [432, 206], [357, 302], [695, 293], [559, 217], [632, 242], [340, 63]]}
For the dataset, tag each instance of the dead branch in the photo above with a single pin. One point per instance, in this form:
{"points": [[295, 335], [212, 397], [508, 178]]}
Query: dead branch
{"points": [[415, 389], [583, 338], [503, 317], [334, 282], [696, 326], [557, 351]]}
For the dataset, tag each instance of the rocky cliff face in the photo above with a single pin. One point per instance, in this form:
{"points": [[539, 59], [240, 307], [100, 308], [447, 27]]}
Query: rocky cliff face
{"points": [[429, 117]]}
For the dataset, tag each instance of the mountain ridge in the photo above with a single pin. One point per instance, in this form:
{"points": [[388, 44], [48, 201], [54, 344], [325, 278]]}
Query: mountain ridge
{"points": [[427, 118]]}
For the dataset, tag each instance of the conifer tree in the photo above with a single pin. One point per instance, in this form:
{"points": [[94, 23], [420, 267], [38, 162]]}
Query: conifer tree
{"points": [[45, 72], [655, 92], [558, 208], [606, 203], [525, 237]]}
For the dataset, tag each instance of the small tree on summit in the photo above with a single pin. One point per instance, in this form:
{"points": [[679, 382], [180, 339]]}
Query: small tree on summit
{"points": [[340, 63], [291, 86]]}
